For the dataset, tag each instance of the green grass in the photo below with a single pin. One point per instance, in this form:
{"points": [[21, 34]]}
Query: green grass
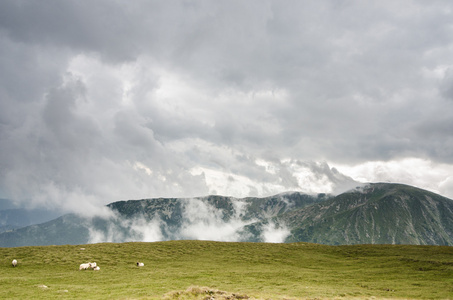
{"points": [[179, 270]]}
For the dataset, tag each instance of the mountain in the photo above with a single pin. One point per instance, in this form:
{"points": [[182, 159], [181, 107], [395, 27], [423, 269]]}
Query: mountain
{"points": [[377, 213], [161, 219], [12, 218], [68, 229], [171, 209]]}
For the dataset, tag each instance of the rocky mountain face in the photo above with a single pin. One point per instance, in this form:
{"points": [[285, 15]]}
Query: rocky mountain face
{"points": [[379, 213]]}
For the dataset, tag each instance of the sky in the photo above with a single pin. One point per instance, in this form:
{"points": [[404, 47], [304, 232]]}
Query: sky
{"points": [[102, 101]]}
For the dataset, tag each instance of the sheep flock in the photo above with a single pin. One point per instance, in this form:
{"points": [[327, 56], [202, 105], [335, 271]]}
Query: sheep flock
{"points": [[89, 265], [95, 267], [85, 266]]}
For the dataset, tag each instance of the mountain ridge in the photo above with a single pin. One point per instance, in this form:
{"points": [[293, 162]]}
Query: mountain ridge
{"points": [[374, 213], [13, 218], [378, 215]]}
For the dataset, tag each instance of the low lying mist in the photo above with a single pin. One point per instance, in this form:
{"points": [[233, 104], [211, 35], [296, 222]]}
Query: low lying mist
{"points": [[197, 220]]}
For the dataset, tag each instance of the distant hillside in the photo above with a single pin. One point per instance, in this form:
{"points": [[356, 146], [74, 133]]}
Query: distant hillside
{"points": [[12, 218], [162, 219], [378, 213], [171, 209], [68, 229]]}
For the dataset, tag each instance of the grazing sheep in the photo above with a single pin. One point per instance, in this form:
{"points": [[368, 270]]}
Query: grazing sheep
{"points": [[140, 264], [84, 266], [93, 265], [97, 268], [14, 262]]}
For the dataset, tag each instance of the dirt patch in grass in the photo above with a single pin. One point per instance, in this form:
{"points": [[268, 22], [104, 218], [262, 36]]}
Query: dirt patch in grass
{"points": [[205, 293]]}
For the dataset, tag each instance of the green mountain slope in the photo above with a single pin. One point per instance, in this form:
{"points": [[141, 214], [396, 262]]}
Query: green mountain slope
{"points": [[160, 219], [171, 209], [67, 229], [20, 217], [379, 213]]}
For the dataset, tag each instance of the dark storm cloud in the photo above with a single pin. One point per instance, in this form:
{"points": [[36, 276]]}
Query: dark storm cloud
{"points": [[103, 100], [79, 26]]}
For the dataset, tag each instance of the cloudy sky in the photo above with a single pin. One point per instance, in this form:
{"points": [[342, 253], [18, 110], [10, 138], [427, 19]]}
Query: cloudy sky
{"points": [[103, 101]]}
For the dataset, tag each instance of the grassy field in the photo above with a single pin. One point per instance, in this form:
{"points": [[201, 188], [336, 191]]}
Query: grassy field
{"points": [[215, 270]]}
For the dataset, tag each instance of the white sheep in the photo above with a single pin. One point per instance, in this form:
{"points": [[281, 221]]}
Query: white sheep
{"points": [[84, 266], [14, 263], [93, 265], [97, 268], [140, 264]]}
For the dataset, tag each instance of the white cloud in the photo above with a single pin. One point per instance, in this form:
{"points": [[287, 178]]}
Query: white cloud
{"points": [[204, 222], [237, 98], [274, 234], [199, 221], [118, 229], [418, 172], [446, 187]]}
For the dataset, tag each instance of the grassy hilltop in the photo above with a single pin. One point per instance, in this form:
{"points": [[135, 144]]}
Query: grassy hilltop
{"points": [[241, 270]]}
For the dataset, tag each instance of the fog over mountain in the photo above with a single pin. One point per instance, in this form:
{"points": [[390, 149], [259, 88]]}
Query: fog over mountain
{"points": [[102, 101], [377, 213], [198, 219]]}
